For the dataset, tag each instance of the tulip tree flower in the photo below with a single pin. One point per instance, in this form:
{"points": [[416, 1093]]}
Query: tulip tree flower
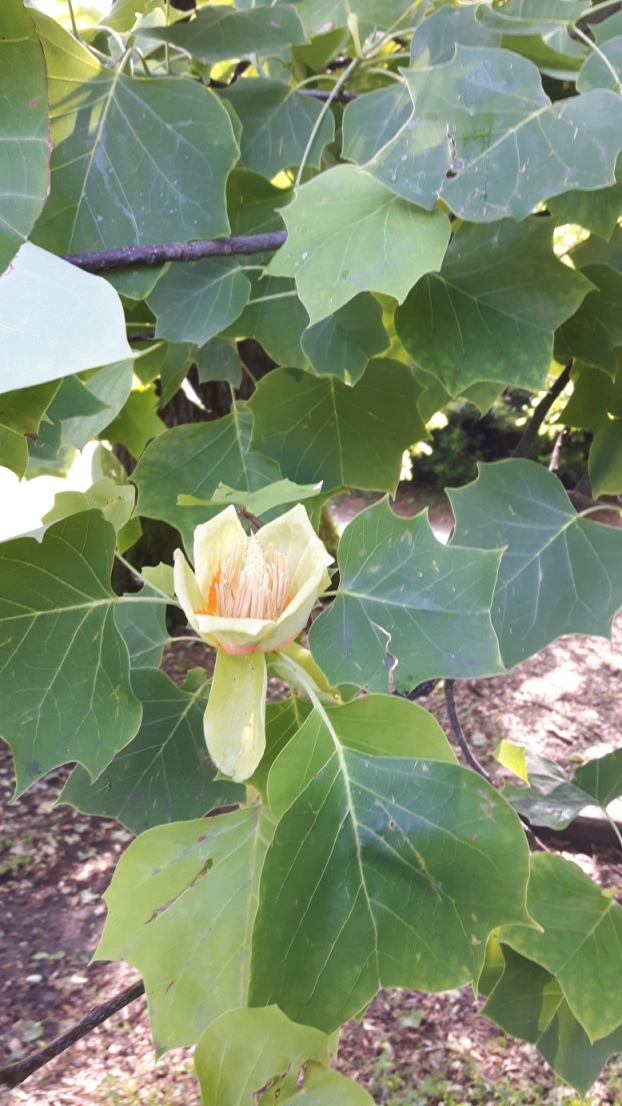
{"points": [[248, 596]]}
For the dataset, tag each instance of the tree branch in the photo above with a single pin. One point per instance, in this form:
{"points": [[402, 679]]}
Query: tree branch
{"points": [[122, 257], [457, 728], [531, 430], [16, 1073]]}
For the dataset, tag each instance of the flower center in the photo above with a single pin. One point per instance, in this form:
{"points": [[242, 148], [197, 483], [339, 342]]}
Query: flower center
{"points": [[253, 583]]}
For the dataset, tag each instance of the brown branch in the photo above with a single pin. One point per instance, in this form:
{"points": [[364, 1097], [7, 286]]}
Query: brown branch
{"points": [[557, 449], [14, 1074], [531, 430], [122, 257], [342, 96]]}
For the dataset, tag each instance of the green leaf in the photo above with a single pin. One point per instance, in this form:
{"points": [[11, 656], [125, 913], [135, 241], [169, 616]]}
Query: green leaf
{"points": [[192, 460], [80, 322], [349, 227], [594, 394], [193, 302], [372, 120], [597, 252], [580, 942], [136, 160], [352, 435], [219, 32], [529, 1003], [168, 360], [406, 605], [81, 409], [596, 327], [115, 501], [531, 17], [127, 13], [321, 1087], [243, 1049], [416, 879], [283, 720], [598, 211], [491, 312], [164, 774], [24, 137], [559, 574], [64, 671], [275, 318], [143, 627], [553, 800], [181, 908], [137, 422], [23, 409], [253, 203], [435, 39], [218, 360], [521, 148], [605, 461], [259, 503], [595, 73], [375, 725], [277, 123], [343, 344], [13, 451]]}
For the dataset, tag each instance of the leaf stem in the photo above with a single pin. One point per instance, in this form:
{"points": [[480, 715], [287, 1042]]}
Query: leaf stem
{"points": [[345, 76], [471, 760], [74, 25], [603, 57]]}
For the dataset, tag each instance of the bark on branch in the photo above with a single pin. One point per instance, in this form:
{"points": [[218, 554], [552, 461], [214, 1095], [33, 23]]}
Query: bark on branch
{"points": [[123, 257], [16, 1073], [531, 430]]}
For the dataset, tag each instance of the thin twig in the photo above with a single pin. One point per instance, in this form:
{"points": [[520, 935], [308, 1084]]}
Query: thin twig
{"points": [[557, 449], [14, 1074], [123, 257], [340, 97], [457, 728], [142, 336], [540, 413]]}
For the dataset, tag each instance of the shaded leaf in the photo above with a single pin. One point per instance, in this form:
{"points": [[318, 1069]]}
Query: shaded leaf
{"points": [[605, 460], [143, 627], [181, 907], [435, 39], [415, 878], [598, 211], [164, 774], [372, 120], [136, 160], [595, 73], [491, 312], [79, 326], [64, 671], [137, 422], [277, 122], [192, 460], [24, 149], [321, 429], [219, 32], [343, 344], [259, 503], [529, 1003], [243, 1049], [581, 942], [521, 149], [13, 451], [559, 574], [596, 327], [193, 302], [406, 605], [253, 203], [532, 17], [283, 720], [275, 317], [219, 360], [115, 501], [348, 226]]}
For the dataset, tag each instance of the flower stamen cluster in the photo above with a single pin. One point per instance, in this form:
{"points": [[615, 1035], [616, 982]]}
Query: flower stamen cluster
{"points": [[253, 583]]}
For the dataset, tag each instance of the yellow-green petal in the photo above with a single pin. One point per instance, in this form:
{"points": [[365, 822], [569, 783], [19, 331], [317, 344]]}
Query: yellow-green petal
{"points": [[214, 543], [186, 588], [235, 718]]}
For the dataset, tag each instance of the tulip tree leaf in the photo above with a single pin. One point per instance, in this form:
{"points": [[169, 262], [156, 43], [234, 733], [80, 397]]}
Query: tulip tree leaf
{"points": [[193, 460], [181, 907], [349, 227], [219, 32], [605, 460], [279, 494], [23, 409], [349, 435], [143, 627], [559, 574], [342, 344], [24, 148], [531, 17], [406, 605], [594, 331], [434, 40], [415, 878], [193, 302], [64, 669], [598, 211], [243, 1049], [79, 321], [521, 149], [528, 1002], [553, 800], [595, 73], [580, 942], [277, 123], [275, 317], [13, 451], [136, 161], [164, 774], [491, 312], [372, 120], [601, 778]]}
